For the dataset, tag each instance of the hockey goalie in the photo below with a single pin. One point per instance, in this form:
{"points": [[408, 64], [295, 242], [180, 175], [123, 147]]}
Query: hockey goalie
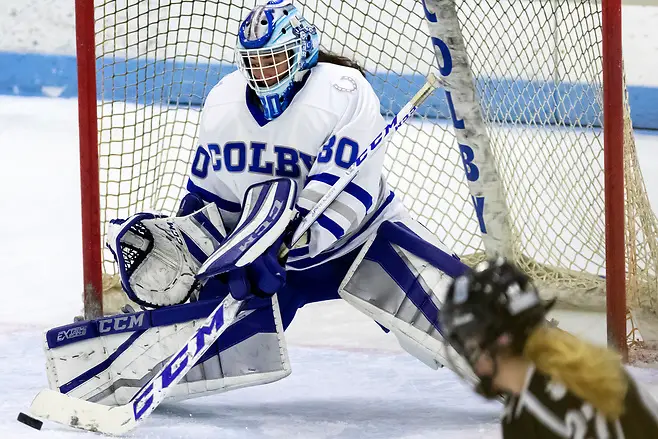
{"points": [[274, 136]]}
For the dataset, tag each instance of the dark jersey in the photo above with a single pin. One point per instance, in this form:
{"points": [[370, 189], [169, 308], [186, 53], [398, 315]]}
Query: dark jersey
{"points": [[547, 410]]}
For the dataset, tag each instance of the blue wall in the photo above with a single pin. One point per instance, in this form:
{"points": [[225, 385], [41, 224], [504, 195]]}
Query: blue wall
{"points": [[159, 81]]}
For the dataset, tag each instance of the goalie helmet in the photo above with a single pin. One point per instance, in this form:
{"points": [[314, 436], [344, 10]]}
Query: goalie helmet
{"points": [[491, 307], [275, 47]]}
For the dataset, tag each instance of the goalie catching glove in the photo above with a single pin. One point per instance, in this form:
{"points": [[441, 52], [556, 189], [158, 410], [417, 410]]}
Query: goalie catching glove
{"points": [[158, 257], [162, 260]]}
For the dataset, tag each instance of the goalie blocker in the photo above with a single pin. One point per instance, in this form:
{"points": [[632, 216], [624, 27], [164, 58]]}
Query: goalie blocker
{"points": [[398, 278]]}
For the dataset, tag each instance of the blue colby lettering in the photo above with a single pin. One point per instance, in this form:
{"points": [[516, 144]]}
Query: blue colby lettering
{"points": [[234, 158], [233, 151], [307, 160], [200, 163], [287, 162], [444, 61], [256, 159], [430, 16], [478, 203], [458, 123], [446, 56], [472, 171], [215, 156]]}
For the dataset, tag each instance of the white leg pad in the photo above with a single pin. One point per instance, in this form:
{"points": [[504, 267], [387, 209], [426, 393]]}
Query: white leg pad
{"points": [[403, 291], [108, 360]]}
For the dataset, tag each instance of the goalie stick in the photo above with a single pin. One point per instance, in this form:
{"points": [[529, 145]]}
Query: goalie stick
{"points": [[398, 120], [63, 409]]}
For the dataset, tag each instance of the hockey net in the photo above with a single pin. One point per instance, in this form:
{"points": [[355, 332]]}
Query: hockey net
{"points": [[537, 70]]}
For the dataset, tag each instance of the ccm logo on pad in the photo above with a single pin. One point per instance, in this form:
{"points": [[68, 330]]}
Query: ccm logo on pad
{"points": [[120, 323]]}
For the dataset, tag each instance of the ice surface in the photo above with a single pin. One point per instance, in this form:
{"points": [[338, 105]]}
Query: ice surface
{"points": [[332, 393], [350, 380]]}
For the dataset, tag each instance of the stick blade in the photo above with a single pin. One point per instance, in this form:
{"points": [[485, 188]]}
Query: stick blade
{"points": [[65, 410]]}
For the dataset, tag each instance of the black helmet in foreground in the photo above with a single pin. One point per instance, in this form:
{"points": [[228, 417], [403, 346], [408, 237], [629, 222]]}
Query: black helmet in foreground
{"points": [[493, 306]]}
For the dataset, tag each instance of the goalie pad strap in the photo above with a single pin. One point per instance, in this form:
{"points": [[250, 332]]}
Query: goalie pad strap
{"points": [[400, 234], [109, 359], [120, 323], [414, 287]]}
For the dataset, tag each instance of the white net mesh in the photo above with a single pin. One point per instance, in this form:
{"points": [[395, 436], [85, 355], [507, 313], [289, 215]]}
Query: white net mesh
{"points": [[537, 66]]}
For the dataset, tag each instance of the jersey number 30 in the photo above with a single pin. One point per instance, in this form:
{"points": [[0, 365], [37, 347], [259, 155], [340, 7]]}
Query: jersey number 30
{"points": [[346, 151]]}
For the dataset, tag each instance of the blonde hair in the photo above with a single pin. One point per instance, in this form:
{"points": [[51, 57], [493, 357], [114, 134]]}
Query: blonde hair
{"points": [[590, 372]]}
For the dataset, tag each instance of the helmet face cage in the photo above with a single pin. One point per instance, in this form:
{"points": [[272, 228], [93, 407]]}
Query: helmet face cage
{"points": [[274, 44], [271, 68]]}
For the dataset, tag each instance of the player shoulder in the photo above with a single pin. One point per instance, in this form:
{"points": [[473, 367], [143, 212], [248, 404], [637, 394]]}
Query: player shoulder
{"points": [[336, 88], [231, 88], [337, 74]]}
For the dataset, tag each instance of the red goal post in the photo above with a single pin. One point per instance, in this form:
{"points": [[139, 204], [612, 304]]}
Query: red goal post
{"points": [[189, 44], [613, 138], [89, 176]]}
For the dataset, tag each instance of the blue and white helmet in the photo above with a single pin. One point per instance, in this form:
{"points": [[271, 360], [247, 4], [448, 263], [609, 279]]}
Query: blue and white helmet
{"points": [[275, 46]]}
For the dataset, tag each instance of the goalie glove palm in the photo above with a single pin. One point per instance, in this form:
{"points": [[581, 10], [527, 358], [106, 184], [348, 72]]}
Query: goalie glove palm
{"points": [[158, 257]]}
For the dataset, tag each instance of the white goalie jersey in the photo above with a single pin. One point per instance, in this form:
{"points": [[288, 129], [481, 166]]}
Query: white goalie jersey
{"points": [[345, 119], [364, 249]]}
